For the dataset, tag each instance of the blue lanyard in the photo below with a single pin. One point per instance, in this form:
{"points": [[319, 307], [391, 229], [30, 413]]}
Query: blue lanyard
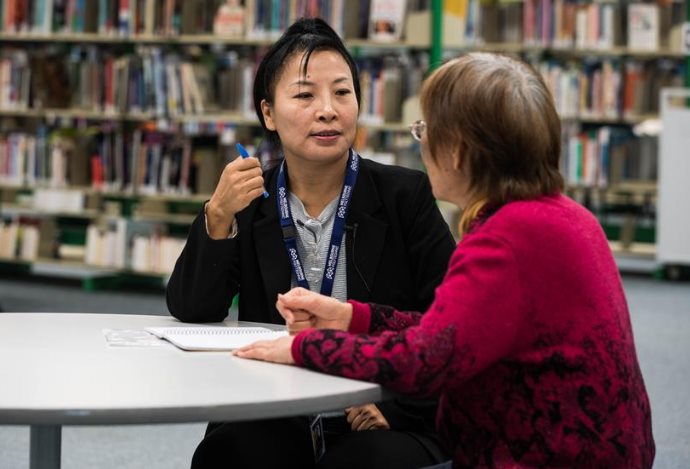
{"points": [[290, 232]]}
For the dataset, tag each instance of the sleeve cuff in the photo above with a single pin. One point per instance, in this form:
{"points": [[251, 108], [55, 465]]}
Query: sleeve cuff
{"points": [[361, 317], [233, 228], [361, 320], [297, 347]]}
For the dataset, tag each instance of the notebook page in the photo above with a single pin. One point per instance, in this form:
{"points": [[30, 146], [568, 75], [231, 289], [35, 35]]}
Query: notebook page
{"points": [[214, 338]]}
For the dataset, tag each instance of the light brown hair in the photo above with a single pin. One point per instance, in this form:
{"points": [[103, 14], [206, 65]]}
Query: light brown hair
{"points": [[498, 112]]}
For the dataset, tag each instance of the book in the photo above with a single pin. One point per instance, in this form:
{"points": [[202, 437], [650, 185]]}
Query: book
{"points": [[9, 238], [455, 16], [229, 19], [214, 338], [386, 19], [643, 26], [29, 238]]}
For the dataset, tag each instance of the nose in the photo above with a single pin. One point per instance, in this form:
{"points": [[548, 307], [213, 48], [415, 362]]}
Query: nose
{"points": [[326, 111]]}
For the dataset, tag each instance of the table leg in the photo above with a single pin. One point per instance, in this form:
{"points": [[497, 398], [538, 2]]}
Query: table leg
{"points": [[46, 443]]}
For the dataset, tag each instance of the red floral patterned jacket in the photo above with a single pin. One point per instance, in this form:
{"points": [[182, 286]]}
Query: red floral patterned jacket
{"points": [[528, 343]]}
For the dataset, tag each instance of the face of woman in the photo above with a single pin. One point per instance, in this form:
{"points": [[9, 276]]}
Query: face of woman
{"points": [[315, 115], [448, 181]]}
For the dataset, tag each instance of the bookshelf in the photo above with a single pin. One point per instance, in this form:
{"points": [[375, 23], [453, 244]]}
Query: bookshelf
{"points": [[134, 109], [114, 66], [605, 62]]}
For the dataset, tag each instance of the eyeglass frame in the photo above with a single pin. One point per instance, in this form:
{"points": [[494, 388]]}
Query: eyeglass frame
{"points": [[417, 128]]}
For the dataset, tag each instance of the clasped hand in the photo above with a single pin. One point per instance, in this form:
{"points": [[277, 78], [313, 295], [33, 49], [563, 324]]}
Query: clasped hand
{"points": [[366, 417], [301, 309]]}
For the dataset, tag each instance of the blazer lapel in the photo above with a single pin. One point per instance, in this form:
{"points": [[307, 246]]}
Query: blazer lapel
{"points": [[368, 233], [274, 266]]}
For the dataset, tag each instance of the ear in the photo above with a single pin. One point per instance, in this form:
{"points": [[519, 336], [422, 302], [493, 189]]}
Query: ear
{"points": [[268, 116], [456, 159]]}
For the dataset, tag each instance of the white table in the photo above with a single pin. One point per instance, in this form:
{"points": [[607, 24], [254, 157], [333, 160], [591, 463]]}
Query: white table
{"points": [[58, 369]]}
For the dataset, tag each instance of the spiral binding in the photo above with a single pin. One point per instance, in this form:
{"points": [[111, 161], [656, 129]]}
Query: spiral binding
{"points": [[216, 331]]}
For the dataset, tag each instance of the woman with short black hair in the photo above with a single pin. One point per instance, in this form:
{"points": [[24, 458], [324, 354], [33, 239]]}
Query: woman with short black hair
{"points": [[334, 223]]}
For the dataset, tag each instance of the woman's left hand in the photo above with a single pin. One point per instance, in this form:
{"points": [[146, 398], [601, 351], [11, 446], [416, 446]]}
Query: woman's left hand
{"points": [[366, 417], [276, 351]]}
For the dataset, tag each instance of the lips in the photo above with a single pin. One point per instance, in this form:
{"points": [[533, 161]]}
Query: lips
{"points": [[326, 133]]}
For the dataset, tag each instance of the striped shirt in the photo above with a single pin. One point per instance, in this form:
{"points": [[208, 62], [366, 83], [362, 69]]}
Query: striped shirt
{"points": [[313, 240]]}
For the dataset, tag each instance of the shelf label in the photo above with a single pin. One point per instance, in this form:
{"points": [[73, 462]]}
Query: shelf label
{"points": [[228, 135], [163, 124]]}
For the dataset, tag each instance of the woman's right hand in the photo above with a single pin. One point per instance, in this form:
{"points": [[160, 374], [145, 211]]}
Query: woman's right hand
{"points": [[303, 309], [240, 182]]}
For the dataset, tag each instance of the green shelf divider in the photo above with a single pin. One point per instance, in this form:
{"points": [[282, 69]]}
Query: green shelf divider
{"points": [[14, 268], [122, 280], [687, 59], [92, 284], [436, 54]]}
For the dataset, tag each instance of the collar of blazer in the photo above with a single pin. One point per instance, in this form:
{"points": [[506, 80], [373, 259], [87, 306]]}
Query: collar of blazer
{"points": [[365, 216]]}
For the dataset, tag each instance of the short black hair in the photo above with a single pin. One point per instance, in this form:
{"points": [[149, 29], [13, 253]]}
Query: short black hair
{"points": [[304, 35]]}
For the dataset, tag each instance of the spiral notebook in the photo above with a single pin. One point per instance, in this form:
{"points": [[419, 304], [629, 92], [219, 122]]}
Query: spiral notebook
{"points": [[214, 338]]}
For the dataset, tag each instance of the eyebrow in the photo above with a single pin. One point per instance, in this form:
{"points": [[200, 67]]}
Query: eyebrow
{"points": [[311, 83]]}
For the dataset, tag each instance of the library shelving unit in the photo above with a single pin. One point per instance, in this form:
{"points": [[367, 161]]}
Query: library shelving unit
{"points": [[605, 63], [116, 118], [673, 221]]}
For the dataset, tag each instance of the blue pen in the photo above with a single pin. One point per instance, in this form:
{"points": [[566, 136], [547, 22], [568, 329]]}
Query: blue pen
{"points": [[245, 154]]}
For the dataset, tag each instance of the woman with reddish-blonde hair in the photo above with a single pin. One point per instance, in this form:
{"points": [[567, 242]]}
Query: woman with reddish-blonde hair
{"points": [[528, 342]]}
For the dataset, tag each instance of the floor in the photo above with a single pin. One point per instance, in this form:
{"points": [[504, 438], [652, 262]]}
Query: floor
{"points": [[661, 320]]}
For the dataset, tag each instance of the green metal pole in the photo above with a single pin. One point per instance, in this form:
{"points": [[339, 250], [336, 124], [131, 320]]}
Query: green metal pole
{"points": [[437, 34], [687, 58]]}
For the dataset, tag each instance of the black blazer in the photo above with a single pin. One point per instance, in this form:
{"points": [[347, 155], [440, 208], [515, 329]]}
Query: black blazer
{"points": [[397, 244]]}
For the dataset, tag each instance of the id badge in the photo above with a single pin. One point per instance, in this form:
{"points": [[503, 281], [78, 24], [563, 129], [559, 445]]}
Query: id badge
{"points": [[317, 440]]}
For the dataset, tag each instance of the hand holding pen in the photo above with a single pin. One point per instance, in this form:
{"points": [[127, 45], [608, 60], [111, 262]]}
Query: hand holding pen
{"points": [[240, 182], [245, 154]]}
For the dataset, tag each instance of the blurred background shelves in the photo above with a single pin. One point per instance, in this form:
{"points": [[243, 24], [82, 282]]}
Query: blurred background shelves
{"points": [[127, 111]]}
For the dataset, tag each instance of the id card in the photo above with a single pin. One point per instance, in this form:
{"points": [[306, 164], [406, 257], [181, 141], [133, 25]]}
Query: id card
{"points": [[317, 440]]}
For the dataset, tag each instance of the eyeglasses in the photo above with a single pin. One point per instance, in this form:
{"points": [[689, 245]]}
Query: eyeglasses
{"points": [[417, 129]]}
